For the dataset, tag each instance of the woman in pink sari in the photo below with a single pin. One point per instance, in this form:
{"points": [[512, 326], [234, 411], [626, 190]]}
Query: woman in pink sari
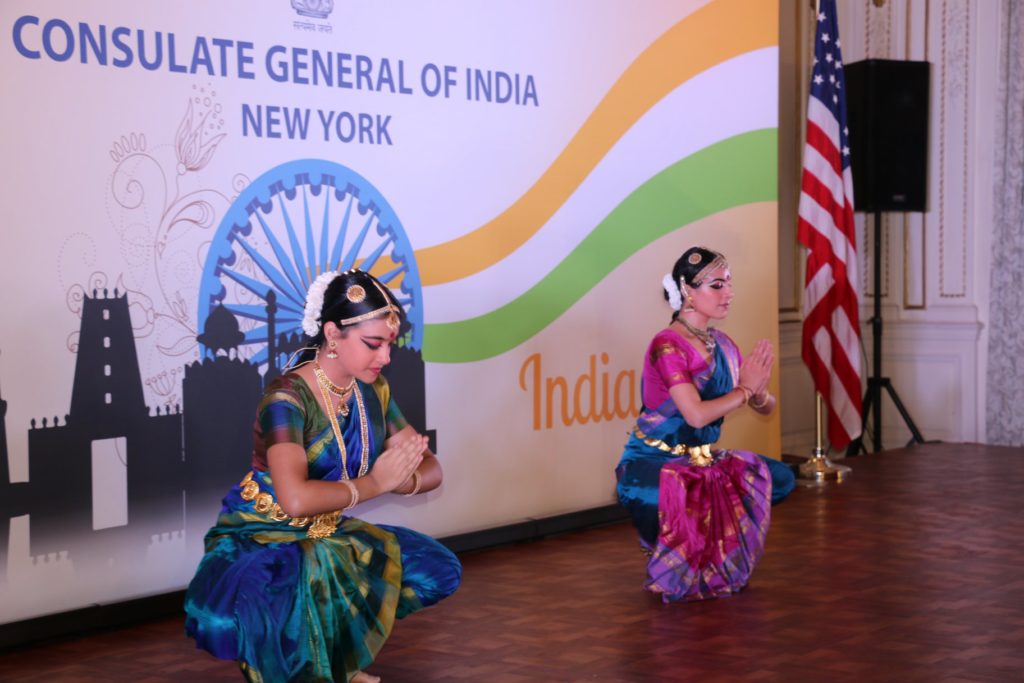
{"points": [[702, 513]]}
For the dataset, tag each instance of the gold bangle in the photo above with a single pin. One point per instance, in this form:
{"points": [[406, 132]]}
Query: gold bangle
{"points": [[761, 404], [353, 494], [747, 393], [417, 481]]}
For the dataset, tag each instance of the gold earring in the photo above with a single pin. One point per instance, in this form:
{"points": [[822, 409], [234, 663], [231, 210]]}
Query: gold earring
{"points": [[689, 297], [332, 345]]}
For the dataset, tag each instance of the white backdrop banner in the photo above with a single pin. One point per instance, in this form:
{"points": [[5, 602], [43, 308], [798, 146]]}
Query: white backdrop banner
{"points": [[521, 173]]}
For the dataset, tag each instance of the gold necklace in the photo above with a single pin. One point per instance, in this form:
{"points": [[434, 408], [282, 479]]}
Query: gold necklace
{"points": [[703, 335], [364, 462], [344, 393]]}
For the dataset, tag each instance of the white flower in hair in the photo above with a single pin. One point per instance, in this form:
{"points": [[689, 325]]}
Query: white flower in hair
{"points": [[675, 297], [315, 302]]}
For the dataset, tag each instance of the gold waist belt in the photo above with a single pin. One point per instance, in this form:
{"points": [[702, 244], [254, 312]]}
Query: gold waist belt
{"points": [[699, 455], [320, 526]]}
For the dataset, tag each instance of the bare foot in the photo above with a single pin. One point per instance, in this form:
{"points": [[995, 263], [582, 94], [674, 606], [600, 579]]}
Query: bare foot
{"points": [[363, 677]]}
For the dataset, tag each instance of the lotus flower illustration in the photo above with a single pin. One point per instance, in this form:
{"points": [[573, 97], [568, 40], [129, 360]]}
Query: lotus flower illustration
{"points": [[193, 152]]}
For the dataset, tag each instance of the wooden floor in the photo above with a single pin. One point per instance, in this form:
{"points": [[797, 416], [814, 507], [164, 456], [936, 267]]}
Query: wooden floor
{"points": [[912, 570]]}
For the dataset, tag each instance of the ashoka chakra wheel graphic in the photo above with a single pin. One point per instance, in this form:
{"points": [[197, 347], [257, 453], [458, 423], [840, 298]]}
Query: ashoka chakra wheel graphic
{"points": [[292, 223]]}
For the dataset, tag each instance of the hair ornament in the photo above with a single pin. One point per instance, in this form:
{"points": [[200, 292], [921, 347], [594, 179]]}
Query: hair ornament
{"points": [[315, 302], [389, 310], [355, 294], [391, 320], [695, 258], [714, 264], [675, 297]]}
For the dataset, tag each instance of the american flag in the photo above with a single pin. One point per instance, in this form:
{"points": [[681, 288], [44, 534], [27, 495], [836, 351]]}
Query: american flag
{"points": [[831, 333]]}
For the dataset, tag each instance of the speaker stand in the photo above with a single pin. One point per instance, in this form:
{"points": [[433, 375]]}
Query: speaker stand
{"points": [[875, 383]]}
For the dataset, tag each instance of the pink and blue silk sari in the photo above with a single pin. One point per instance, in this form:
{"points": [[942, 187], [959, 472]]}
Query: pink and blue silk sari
{"points": [[290, 603], [704, 526]]}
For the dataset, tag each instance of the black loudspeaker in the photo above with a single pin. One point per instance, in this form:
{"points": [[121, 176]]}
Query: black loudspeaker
{"points": [[887, 113]]}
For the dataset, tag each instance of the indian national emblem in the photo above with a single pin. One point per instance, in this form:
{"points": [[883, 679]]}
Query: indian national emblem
{"points": [[318, 9]]}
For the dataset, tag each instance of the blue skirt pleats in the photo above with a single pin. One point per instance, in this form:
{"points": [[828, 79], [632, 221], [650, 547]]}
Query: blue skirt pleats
{"points": [[293, 608]]}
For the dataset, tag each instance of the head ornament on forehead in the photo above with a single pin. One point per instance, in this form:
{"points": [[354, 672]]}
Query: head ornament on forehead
{"points": [[355, 294], [711, 261], [389, 310]]}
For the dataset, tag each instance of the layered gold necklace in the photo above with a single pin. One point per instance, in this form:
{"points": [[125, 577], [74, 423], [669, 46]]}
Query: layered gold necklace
{"points": [[329, 388], [343, 393], [703, 335]]}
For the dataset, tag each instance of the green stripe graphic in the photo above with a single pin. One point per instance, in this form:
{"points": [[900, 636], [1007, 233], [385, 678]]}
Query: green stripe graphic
{"points": [[736, 171]]}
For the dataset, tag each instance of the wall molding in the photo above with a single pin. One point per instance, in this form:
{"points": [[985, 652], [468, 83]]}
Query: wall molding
{"points": [[931, 365], [935, 264]]}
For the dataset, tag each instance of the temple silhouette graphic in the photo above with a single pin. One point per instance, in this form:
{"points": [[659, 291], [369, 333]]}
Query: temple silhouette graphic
{"points": [[179, 462]]}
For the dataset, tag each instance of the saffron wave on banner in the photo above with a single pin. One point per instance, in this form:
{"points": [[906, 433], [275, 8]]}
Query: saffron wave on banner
{"points": [[702, 40], [719, 177], [697, 114]]}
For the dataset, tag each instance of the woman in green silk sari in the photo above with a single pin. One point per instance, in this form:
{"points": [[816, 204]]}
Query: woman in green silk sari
{"points": [[291, 586]]}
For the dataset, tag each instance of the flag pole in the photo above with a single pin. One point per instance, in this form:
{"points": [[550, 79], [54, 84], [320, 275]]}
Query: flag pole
{"points": [[819, 468], [825, 226]]}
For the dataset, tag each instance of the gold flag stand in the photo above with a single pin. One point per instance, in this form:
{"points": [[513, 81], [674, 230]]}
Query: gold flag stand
{"points": [[819, 468]]}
